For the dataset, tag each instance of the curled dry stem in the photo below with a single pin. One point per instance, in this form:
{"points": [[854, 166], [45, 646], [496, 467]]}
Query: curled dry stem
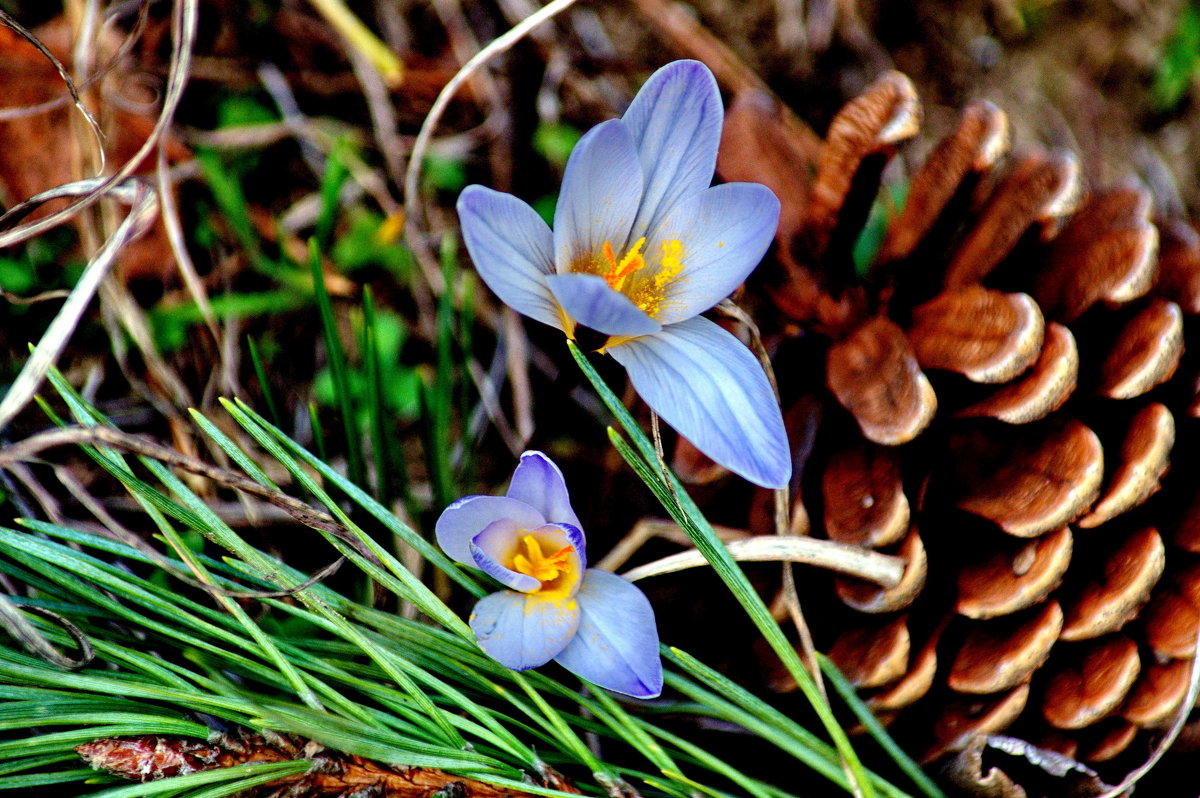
{"points": [[31, 638], [183, 29], [413, 212], [880, 569]]}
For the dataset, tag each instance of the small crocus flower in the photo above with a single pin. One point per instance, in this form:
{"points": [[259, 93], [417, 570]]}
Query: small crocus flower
{"points": [[594, 623], [641, 245]]}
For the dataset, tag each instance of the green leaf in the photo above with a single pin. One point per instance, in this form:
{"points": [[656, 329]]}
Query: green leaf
{"points": [[684, 512]]}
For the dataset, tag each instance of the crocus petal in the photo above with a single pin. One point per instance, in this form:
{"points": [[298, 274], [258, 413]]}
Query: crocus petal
{"points": [[589, 300], [522, 631], [539, 483], [616, 646], [496, 545], [467, 517], [601, 189], [675, 121], [725, 230], [710, 388], [512, 248]]}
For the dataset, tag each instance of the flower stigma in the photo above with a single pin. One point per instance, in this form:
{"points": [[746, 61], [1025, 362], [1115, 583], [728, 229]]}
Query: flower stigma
{"points": [[645, 287], [552, 570], [632, 262]]}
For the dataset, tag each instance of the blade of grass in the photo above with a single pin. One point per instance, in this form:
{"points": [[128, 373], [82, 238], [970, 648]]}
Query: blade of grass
{"points": [[391, 475], [683, 510], [246, 415], [263, 383], [336, 356], [230, 775], [331, 189], [318, 431], [875, 728]]}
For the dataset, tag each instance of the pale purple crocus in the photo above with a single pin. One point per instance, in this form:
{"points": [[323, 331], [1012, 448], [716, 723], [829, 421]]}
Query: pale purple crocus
{"points": [[641, 245], [594, 623]]}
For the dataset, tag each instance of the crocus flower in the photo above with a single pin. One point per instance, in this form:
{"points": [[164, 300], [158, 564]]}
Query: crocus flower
{"points": [[594, 623], [641, 245]]}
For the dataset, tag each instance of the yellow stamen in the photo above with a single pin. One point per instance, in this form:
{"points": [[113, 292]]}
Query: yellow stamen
{"points": [[532, 562], [618, 272]]}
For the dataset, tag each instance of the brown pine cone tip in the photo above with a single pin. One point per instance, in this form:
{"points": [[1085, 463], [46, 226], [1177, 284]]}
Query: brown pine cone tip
{"points": [[1004, 394]]}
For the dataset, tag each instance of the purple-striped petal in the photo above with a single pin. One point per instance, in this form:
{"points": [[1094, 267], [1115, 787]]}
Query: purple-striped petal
{"points": [[708, 386], [539, 483], [725, 231], [467, 517], [616, 646], [675, 121], [589, 300], [522, 631], [601, 189], [512, 248]]}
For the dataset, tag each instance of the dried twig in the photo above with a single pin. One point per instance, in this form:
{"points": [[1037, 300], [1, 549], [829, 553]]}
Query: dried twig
{"points": [[5, 19], [114, 438], [1168, 739], [414, 216], [882, 569], [144, 208], [36, 643], [184, 31]]}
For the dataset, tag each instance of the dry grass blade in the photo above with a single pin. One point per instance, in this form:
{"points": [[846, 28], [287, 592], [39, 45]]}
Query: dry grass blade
{"points": [[142, 213], [183, 30], [114, 438], [62, 73], [28, 635], [413, 212]]}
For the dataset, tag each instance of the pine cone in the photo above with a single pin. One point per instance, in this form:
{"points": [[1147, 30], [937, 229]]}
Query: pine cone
{"points": [[1004, 392]]}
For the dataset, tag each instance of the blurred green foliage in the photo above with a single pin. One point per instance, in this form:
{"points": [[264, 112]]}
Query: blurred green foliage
{"points": [[554, 142], [400, 385], [1180, 60]]}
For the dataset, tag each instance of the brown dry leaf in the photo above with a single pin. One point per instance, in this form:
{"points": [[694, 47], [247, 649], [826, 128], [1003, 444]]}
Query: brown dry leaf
{"points": [[980, 769], [127, 113]]}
